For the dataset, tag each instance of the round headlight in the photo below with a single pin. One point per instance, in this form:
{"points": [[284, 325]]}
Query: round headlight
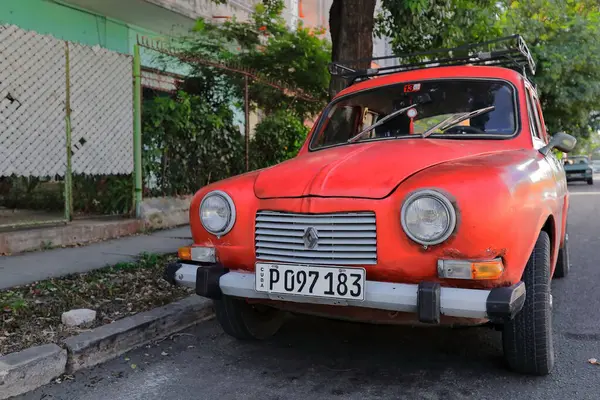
{"points": [[217, 213], [428, 217]]}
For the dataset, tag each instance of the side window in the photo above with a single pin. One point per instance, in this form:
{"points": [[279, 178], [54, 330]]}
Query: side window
{"points": [[541, 119], [535, 115], [532, 117]]}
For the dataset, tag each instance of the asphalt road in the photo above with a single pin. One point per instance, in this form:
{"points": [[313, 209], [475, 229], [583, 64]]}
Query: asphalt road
{"points": [[314, 358]]}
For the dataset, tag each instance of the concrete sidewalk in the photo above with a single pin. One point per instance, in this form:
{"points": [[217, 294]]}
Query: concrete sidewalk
{"points": [[30, 267]]}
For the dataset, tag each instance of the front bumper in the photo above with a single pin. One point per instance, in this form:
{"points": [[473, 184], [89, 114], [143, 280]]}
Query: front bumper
{"points": [[579, 176], [428, 299]]}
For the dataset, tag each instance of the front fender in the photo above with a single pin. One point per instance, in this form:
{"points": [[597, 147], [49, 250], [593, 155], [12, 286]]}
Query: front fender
{"points": [[503, 201], [239, 242]]}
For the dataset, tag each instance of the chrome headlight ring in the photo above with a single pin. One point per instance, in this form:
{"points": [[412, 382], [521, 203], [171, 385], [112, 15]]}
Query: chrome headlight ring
{"points": [[446, 206], [229, 206]]}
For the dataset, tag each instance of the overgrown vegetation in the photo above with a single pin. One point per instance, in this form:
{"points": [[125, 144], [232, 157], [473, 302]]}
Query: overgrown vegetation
{"points": [[297, 58], [190, 138], [92, 195], [188, 143], [563, 35], [277, 138], [105, 195], [31, 315]]}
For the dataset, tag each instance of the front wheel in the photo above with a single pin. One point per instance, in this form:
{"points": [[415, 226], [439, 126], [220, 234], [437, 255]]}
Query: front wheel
{"points": [[527, 339], [590, 181], [247, 321]]}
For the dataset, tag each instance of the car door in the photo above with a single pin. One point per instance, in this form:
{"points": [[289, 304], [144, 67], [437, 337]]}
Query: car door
{"points": [[558, 171]]}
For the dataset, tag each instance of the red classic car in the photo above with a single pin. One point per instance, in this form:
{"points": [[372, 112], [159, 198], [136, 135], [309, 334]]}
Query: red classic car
{"points": [[426, 193]]}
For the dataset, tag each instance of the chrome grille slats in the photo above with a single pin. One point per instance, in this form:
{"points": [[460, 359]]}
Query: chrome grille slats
{"points": [[296, 218], [344, 238], [298, 240], [299, 233], [321, 248]]}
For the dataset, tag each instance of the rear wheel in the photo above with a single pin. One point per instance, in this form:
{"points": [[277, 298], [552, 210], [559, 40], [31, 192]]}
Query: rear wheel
{"points": [[247, 321], [563, 264], [527, 339]]}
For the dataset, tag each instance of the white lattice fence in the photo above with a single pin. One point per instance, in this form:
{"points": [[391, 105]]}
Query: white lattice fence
{"points": [[32, 104], [102, 111], [32, 107]]}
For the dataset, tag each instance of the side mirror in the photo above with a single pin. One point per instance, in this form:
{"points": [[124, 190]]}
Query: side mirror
{"points": [[560, 141]]}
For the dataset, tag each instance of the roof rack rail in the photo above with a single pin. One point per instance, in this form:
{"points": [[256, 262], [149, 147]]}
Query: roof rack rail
{"points": [[509, 52]]}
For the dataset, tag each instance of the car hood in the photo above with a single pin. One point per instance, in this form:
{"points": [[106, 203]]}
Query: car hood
{"points": [[364, 170]]}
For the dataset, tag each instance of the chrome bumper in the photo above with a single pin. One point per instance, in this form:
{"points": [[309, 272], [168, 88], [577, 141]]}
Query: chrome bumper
{"points": [[496, 304]]}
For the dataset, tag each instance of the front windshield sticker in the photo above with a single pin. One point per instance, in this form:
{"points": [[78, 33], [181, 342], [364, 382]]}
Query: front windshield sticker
{"points": [[413, 87]]}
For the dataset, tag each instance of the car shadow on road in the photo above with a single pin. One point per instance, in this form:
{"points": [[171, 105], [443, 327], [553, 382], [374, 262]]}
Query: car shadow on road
{"points": [[375, 355]]}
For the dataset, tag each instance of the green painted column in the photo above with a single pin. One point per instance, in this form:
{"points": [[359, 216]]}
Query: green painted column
{"points": [[137, 129], [69, 168]]}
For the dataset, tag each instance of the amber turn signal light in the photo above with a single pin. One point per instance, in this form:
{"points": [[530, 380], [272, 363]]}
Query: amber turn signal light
{"points": [[487, 269], [464, 269], [184, 253]]}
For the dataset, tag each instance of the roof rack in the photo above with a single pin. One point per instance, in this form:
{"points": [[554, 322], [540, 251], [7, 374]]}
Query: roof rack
{"points": [[509, 52]]}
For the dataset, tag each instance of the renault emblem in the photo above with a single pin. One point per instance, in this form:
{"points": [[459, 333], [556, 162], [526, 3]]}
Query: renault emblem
{"points": [[311, 238]]}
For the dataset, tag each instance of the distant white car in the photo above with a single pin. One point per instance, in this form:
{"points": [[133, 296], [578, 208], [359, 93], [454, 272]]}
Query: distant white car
{"points": [[596, 166]]}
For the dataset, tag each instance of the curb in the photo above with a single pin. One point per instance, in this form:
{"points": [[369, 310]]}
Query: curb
{"points": [[109, 341], [31, 368]]}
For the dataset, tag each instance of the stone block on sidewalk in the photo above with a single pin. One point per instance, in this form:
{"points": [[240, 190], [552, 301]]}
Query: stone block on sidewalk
{"points": [[78, 317]]}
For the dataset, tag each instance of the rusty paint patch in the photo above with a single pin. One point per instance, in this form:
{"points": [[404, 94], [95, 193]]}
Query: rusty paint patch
{"points": [[486, 254]]}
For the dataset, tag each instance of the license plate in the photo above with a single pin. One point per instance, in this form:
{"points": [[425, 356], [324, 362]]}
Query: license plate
{"points": [[305, 280]]}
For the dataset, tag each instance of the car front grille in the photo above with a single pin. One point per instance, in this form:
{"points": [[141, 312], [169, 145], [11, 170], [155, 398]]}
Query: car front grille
{"points": [[343, 238]]}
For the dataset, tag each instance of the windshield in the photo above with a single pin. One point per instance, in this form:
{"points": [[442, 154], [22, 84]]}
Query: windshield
{"points": [[576, 160], [435, 102]]}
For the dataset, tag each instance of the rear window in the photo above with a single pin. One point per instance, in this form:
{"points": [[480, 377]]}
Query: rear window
{"points": [[436, 101]]}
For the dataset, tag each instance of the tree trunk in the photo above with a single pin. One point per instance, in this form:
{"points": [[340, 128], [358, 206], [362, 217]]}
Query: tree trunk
{"points": [[351, 26]]}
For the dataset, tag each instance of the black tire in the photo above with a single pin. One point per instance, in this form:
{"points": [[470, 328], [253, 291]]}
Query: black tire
{"points": [[563, 264], [590, 181], [527, 339], [246, 321]]}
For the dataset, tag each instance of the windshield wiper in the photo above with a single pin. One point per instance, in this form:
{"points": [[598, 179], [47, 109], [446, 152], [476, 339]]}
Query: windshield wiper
{"points": [[445, 122], [456, 119], [381, 122]]}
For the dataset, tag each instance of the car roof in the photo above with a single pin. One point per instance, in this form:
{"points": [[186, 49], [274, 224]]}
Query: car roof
{"points": [[454, 72]]}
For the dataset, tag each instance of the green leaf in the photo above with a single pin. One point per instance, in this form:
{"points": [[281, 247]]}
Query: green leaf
{"points": [[200, 25]]}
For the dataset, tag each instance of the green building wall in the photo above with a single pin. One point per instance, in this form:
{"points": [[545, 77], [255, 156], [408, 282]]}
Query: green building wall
{"points": [[67, 23], [70, 23]]}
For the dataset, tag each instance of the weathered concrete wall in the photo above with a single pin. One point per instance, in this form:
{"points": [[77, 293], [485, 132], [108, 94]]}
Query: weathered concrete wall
{"points": [[75, 233], [165, 212], [157, 213]]}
